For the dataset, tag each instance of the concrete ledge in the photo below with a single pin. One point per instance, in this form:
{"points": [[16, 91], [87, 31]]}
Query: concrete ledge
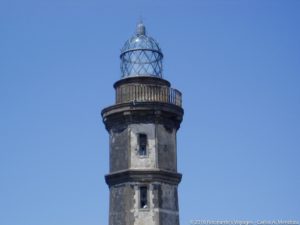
{"points": [[142, 80], [143, 176], [142, 112]]}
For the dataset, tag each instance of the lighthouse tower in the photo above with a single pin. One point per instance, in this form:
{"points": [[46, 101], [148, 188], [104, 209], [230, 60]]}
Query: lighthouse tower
{"points": [[142, 127]]}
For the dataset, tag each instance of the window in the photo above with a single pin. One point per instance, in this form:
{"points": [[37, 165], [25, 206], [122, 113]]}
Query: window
{"points": [[144, 197], [142, 148]]}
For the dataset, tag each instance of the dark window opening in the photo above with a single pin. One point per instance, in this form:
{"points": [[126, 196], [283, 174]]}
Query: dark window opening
{"points": [[144, 197], [142, 144]]}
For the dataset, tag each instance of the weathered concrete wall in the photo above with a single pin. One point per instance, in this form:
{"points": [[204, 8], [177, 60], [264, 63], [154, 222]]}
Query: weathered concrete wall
{"points": [[166, 148], [144, 216], [118, 151], [162, 205], [161, 147], [137, 161], [168, 199], [121, 201], [168, 218], [168, 205]]}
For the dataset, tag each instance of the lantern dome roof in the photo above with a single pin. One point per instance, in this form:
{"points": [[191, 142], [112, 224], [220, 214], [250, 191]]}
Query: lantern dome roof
{"points": [[141, 55]]}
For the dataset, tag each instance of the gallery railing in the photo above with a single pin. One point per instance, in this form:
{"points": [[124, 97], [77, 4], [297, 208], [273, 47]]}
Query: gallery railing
{"points": [[148, 93]]}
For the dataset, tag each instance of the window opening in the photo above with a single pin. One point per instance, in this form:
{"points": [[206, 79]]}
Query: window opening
{"points": [[143, 197], [142, 144]]}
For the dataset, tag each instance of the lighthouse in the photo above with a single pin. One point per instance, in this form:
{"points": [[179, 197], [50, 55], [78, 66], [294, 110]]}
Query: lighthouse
{"points": [[142, 125]]}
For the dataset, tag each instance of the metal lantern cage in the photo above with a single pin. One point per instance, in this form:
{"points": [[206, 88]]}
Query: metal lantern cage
{"points": [[141, 55]]}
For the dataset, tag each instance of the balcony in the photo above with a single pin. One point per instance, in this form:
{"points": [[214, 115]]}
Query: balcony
{"points": [[148, 93]]}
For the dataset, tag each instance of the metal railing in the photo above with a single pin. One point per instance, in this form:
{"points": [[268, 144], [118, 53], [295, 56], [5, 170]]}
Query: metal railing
{"points": [[148, 93]]}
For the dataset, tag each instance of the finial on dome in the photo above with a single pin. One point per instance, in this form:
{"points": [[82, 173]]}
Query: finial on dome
{"points": [[140, 29]]}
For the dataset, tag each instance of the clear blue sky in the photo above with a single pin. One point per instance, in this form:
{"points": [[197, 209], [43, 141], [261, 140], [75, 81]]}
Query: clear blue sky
{"points": [[236, 62]]}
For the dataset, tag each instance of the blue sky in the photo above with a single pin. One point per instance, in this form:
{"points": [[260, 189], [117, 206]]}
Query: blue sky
{"points": [[236, 62]]}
